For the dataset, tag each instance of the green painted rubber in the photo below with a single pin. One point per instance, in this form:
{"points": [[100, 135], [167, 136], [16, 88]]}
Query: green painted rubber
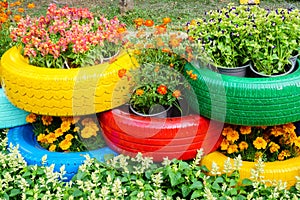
{"points": [[244, 100]]}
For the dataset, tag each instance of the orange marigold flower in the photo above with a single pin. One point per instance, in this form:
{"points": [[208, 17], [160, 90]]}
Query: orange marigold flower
{"points": [[274, 147], [149, 22], [260, 143], [166, 50], [121, 29], [47, 120], [137, 52], [289, 128], [171, 65], [65, 144], [224, 144], [50, 138], [162, 89], [21, 10], [65, 126], [166, 20], [194, 76], [159, 42], [156, 69], [243, 145], [245, 130], [189, 72], [31, 5], [42, 138], [12, 4], [284, 154], [31, 118], [139, 92], [122, 72], [88, 132], [52, 147], [297, 142], [69, 137], [176, 93], [58, 132], [277, 131], [138, 22], [17, 18], [18, 3], [161, 29], [232, 136], [175, 42], [233, 148], [258, 155], [149, 46]]}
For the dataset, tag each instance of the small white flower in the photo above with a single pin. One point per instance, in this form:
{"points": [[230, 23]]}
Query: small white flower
{"points": [[215, 169], [44, 159], [238, 162], [166, 161], [227, 166]]}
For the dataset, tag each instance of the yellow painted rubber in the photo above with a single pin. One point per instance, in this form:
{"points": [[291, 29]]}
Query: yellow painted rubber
{"points": [[278, 170], [65, 92]]}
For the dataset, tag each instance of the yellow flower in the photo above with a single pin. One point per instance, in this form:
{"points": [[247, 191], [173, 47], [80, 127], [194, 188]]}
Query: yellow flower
{"points": [[233, 148], [258, 155], [88, 132], [274, 147], [69, 137], [289, 128], [47, 120], [51, 138], [284, 154], [65, 144], [21, 10], [31, 118], [52, 147], [76, 129], [260, 143], [31, 5], [245, 130], [42, 138], [87, 121], [290, 138], [297, 142], [226, 130], [232, 136], [17, 18], [243, 145], [224, 145], [58, 132], [277, 131], [65, 126]]}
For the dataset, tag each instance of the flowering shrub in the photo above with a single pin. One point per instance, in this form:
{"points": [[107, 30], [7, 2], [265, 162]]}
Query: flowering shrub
{"points": [[268, 143], [66, 133], [68, 38], [161, 55], [234, 35], [10, 14]]}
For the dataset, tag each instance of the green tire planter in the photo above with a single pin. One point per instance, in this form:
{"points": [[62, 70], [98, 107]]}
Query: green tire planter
{"points": [[65, 92], [245, 101]]}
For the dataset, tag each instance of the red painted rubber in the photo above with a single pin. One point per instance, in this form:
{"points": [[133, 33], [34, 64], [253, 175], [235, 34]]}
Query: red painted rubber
{"points": [[177, 137]]}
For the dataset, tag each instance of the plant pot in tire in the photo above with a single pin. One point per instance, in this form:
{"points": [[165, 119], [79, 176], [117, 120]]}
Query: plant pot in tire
{"points": [[172, 137], [64, 75]]}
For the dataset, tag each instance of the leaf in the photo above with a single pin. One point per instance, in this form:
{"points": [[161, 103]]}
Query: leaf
{"points": [[185, 190], [175, 178], [14, 192], [196, 194], [77, 193], [246, 181]]}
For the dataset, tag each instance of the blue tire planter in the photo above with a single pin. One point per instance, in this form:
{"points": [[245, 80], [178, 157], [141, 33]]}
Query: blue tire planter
{"points": [[33, 152], [10, 116]]}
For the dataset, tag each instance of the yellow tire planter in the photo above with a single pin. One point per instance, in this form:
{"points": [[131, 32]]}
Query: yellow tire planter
{"points": [[65, 92], [279, 170]]}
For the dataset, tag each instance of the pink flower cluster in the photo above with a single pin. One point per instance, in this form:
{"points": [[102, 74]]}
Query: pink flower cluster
{"points": [[64, 32]]}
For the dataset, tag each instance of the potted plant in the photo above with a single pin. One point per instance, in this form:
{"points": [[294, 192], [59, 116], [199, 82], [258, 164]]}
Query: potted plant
{"points": [[161, 55], [10, 14], [236, 35], [277, 146], [60, 57]]}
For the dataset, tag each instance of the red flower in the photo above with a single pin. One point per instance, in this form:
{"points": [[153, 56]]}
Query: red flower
{"points": [[149, 23], [122, 72], [176, 93], [162, 89]]}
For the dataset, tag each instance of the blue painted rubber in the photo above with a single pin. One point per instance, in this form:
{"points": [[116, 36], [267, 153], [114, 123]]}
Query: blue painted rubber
{"points": [[33, 152], [10, 116]]}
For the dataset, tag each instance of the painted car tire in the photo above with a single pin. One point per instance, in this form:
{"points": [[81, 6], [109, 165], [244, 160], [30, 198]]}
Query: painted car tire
{"points": [[245, 101], [10, 116], [65, 92], [32, 152], [176, 137], [285, 170]]}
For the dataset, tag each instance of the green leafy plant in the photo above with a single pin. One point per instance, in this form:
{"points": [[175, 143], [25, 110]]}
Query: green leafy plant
{"points": [[234, 35]]}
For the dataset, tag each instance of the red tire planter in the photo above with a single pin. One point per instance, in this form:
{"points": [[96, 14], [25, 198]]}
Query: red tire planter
{"points": [[176, 137]]}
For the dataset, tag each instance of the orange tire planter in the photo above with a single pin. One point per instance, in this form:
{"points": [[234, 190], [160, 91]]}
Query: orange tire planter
{"points": [[278, 170], [176, 137], [65, 92]]}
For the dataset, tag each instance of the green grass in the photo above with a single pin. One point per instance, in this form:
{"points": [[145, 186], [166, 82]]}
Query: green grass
{"points": [[180, 11]]}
